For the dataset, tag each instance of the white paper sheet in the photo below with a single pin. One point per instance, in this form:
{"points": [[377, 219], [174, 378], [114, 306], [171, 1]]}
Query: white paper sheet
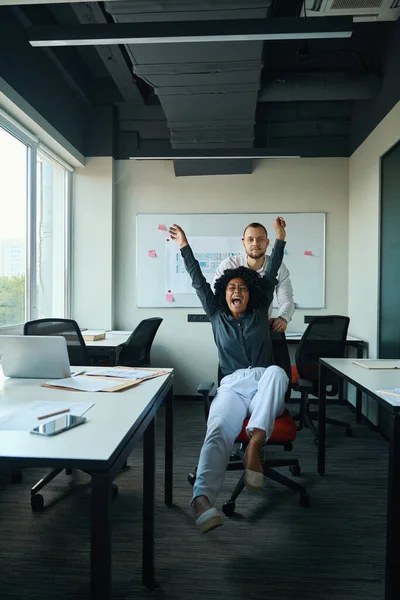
{"points": [[27, 418], [118, 332], [83, 383], [121, 373]]}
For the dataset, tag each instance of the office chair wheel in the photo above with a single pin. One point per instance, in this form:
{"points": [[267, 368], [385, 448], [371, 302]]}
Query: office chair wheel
{"points": [[295, 470], [114, 490], [192, 478], [228, 508], [16, 476], [37, 502], [304, 500], [348, 432]]}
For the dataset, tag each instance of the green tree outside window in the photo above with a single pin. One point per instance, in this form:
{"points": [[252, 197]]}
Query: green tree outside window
{"points": [[12, 300]]}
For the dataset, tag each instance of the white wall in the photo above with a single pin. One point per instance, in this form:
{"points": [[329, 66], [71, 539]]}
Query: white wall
{"points": [[364, 225], [92, 244], [364, 217], [298, 185]]}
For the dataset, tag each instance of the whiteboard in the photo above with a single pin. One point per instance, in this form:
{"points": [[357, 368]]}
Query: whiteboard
{"points": [[304, 254]]}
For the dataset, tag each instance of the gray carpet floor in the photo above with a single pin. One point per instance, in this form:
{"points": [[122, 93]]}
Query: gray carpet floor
{"points": [[272, 548]]}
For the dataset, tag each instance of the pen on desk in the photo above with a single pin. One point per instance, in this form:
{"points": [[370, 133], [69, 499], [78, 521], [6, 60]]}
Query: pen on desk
{"points": [[59, 412]]}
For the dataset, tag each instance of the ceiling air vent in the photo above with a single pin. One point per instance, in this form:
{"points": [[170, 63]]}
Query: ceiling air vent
{"points": [[350, 5], [376, 10]]}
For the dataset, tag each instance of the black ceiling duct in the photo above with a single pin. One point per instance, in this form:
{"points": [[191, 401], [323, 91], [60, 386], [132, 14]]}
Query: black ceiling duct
{"points": [[208, 91]]}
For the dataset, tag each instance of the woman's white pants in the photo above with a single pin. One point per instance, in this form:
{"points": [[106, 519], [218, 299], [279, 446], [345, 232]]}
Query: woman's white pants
{"points": [[258, 393]]}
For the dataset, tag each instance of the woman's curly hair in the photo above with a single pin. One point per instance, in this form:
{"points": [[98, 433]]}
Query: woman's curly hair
{"points": [[257, 294]]}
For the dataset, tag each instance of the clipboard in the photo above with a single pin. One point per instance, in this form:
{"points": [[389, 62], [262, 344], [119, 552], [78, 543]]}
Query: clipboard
{"points": [[125, 385], [120, 386]]}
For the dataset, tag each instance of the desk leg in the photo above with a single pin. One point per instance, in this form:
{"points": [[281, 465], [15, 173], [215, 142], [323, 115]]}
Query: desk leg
{"points": [[358, 405], [342, 401], [100, 560], [169, 419], [360, 354], [149, 479], [392, 590], [321, 420]]}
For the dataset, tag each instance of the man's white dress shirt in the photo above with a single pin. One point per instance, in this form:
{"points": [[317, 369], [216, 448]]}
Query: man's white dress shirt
{"points": [[283, 290]]}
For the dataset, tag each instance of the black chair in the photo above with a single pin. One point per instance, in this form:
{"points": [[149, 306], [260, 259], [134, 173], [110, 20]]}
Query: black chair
{"points": [[77, 349], [135, 352], [78, 355], [325, 337], [283, 435]]}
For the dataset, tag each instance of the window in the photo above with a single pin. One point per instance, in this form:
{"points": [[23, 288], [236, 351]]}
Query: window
{"points": [[51, 238], [34, 229], [14, 156]]}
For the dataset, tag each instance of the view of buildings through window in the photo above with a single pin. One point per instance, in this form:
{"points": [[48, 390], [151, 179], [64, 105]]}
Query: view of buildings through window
{"points": [[40, 233]]}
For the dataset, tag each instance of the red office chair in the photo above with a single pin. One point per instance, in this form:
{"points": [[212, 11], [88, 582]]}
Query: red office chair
{"points": [[284, 434]]}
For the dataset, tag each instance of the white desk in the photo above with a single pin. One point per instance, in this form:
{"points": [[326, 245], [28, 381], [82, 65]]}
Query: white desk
{"points": [[112, 340], [100, 447], [108, 347], [369, 381]]}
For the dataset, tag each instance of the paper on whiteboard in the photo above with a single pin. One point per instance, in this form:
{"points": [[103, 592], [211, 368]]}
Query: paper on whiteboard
{"points": [[209, 251]]}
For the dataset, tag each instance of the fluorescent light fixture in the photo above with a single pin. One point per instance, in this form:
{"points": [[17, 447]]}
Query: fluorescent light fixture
{"points": [[190, 39], [245, 30], [232, 157]]}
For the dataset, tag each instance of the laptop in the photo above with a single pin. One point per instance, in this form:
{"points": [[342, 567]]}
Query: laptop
{"points": [[35, 356]]}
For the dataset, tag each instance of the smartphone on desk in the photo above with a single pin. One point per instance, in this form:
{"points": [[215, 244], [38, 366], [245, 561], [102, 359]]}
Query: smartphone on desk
{"points": [[58, 425]]}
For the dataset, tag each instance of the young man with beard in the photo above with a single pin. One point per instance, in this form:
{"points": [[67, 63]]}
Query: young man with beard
{"points": [[255, 242]]}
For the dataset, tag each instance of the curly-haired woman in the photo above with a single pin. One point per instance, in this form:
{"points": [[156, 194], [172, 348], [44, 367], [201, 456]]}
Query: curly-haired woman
{"points": [[252, 385]]}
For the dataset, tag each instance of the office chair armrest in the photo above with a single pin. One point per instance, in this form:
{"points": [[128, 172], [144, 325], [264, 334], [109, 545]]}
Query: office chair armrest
{"points": [[205, 389], [304, 385]]}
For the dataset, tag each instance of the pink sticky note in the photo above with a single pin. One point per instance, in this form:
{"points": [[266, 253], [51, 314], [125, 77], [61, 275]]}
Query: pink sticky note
{"points": [[308, 252], [162, 227], [169, 297], [152, 253]]}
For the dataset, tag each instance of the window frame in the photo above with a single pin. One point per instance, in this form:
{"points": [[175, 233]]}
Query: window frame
{"points": [[33, 148]]}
